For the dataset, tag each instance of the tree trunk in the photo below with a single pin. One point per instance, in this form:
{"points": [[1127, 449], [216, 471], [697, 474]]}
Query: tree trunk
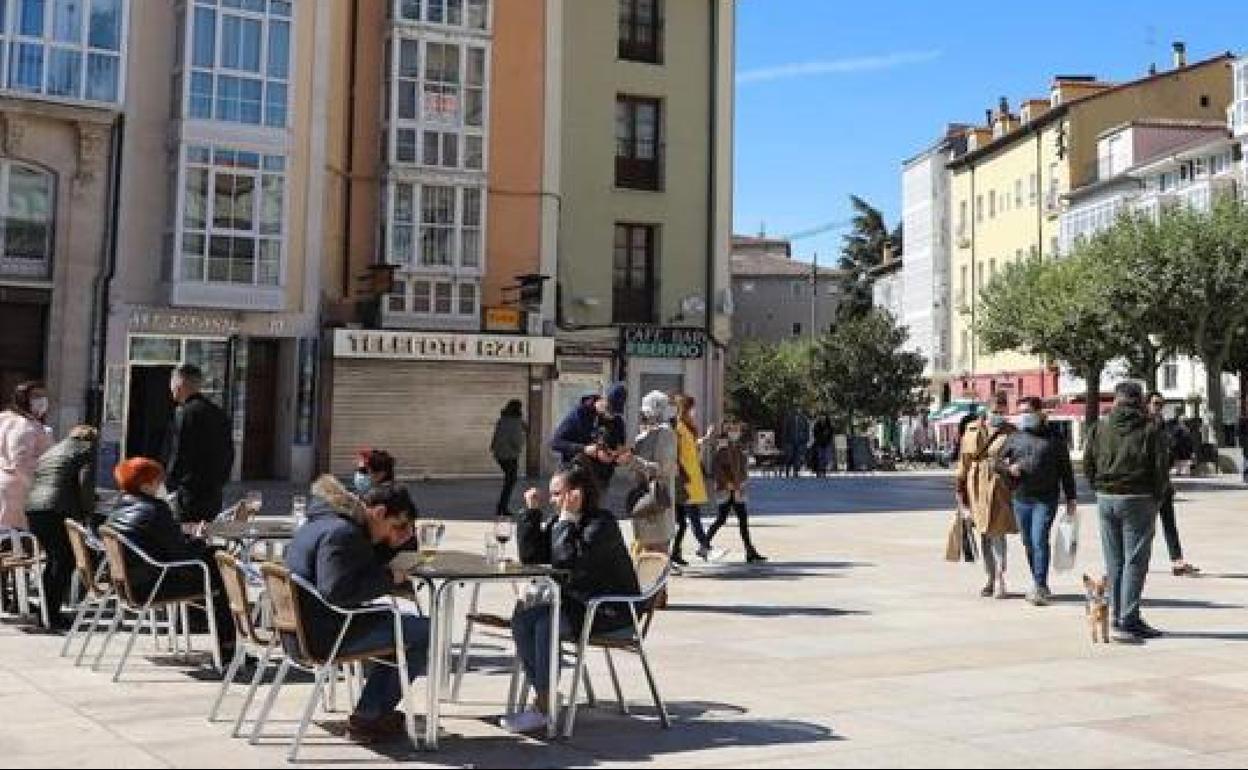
{"points": [[1092, 406], [1213, 398]]}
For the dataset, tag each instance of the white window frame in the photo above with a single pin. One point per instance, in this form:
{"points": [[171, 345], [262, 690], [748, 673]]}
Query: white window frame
{"points": [[403, 300], [420, 124], [27, 269], [413, 263], [180, 230], [9, 38], [398, 8], [186, 68]]}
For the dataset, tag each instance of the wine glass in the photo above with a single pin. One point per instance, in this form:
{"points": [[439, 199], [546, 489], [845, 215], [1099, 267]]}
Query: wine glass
{"points": [[504, 527], [430, 534], [255, 501]]}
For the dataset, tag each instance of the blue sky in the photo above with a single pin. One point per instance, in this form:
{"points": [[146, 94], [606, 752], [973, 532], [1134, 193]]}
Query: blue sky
{"points": [[832, 96]]}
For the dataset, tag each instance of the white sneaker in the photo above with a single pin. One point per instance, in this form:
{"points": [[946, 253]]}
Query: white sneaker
{"points": [[530, 721], [712, 554]]}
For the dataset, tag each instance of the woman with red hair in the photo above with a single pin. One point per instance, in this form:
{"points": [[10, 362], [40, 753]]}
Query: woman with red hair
{"points": [[146, 520]]}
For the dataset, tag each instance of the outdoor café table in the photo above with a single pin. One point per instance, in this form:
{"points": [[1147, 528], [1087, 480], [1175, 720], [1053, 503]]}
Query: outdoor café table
{"points": [[447, 570], [263, 529]]}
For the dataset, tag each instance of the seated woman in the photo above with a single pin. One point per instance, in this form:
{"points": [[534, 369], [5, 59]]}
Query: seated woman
{"points": [[585, 542], [142, 517]]}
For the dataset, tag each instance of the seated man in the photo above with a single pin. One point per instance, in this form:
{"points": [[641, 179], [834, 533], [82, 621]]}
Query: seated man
{"points": [[585, 542], [336, 551], [145, 519]]}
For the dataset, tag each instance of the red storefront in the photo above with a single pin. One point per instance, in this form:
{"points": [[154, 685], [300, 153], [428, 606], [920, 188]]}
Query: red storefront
{"points": [[1016, 385]]}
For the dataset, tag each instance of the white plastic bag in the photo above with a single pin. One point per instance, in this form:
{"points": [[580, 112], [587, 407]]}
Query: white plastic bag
{"points": [[1067, 542]]}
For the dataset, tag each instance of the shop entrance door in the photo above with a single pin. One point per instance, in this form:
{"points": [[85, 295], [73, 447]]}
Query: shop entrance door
{"points": [[150, 410], [260, 434]]}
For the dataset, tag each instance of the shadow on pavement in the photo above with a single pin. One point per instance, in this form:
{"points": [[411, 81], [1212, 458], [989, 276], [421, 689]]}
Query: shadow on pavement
{"points": [[764, 610], [1166, 604], [771, 570]]}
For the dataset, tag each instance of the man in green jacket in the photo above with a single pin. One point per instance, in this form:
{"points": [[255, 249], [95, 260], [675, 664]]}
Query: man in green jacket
{"points": [[1126, 462]]}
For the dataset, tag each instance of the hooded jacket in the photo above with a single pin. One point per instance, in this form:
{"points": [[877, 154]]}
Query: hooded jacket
{"points": [[583, 427], [508, 441], [1044, 459], [333, 551], [1126, 455]]}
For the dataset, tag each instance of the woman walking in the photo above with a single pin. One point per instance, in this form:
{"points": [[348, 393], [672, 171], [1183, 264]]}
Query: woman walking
{"points": [[731, 475], [691, 492], [654, 467], [507, 445], [983, 492]]}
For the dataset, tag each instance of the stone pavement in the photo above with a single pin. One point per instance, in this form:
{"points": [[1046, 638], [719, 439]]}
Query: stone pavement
{"points": [[856, 647]]}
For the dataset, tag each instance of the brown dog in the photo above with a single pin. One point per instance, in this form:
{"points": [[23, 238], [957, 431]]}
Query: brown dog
{"points": [[1097, 606]]}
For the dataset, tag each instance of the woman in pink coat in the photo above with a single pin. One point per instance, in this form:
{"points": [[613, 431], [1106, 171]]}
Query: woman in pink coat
{"points": [[22, 439]]}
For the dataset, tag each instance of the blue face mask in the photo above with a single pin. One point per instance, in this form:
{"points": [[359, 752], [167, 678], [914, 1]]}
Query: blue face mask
{"points": [[996, 420], [1030, 421], [363, 482]]}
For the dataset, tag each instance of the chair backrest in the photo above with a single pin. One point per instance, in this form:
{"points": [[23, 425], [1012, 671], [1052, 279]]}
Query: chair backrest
{"points": [[85, 564], [115, 550], [240, 511], [653, 571], [279, 582], [235, 580]]}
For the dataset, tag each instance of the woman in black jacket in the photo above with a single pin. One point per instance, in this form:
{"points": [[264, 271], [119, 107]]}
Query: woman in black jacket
{"points": [[63, 487], [147, 521], [583, 541]]}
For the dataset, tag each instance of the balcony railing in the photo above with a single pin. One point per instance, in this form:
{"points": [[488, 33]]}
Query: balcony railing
{"points": [[638, 165], [641, 40]]}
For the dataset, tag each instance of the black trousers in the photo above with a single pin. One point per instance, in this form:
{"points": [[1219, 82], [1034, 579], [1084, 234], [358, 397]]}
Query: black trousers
{"points": [[689, 516], [49, 529], [1169, 528], [511, 470], [733, 505]]}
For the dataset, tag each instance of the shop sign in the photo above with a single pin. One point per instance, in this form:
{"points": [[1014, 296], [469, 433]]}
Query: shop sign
{"points": [[502, 319], [435, 346], [662, 342], [182, 322]]}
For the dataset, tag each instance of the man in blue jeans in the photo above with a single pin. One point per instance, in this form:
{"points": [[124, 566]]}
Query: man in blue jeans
{"points": [[1127, 464], [337, 550], [1037, 461]]}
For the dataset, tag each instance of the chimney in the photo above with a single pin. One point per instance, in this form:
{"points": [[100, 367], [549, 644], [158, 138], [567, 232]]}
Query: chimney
{"points": [[988, 117], [1152, 70], [1003, 107], [1180, 54]]}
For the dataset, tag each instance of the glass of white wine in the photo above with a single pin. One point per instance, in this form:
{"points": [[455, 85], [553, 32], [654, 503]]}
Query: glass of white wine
{"points": [[430, 536]]}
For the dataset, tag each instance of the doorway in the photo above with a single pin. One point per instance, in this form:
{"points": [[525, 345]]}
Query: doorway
{"points": [[25, 325], [149, 412], [260, 432]]}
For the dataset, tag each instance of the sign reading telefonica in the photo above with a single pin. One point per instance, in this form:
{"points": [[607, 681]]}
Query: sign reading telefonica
{"points": [[436, 346], [663, 342]]}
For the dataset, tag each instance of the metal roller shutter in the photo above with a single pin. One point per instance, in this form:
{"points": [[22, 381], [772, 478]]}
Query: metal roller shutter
{"points": [[436, 419]]}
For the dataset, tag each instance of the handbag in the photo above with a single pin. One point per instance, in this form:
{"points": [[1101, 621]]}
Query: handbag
{"points": [[649, 499], [960, 543], [1066, 546]]}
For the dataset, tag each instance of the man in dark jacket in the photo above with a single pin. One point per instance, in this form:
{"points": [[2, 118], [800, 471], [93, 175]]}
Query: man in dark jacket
{"points": [[822, 435], [199, 451], [795, 437], [585, 542], [593, 433], [63, 487], [1174, 434], [1038, 462], [145, 520], [336, 551], [1126, 463]]}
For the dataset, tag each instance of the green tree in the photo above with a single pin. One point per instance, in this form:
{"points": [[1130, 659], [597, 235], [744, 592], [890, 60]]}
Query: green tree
{"points": [[1206, 253], [1058, 310], [863, 250], [862, 370], [766, 380]]}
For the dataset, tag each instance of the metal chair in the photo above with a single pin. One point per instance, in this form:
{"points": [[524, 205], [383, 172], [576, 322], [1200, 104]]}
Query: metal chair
{"points": [[283, 589], [24, 561], [653, 571], [129, 600], [91, 567], [237, 581]]}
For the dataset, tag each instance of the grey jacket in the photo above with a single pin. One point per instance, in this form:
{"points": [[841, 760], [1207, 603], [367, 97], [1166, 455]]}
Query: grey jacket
{"points": [[64, 481], [508, 442], [655, 457]]}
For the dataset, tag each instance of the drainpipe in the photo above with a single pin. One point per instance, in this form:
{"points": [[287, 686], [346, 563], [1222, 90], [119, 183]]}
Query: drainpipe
{"points": [[350, 181], [716, 348], [96, 364]]}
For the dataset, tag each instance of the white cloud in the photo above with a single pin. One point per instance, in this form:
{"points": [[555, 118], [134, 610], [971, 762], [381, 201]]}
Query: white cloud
{"points": [[836, 66]]}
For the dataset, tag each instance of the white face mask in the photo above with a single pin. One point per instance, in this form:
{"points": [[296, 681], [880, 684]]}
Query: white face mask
{"points": [[39, 406]]}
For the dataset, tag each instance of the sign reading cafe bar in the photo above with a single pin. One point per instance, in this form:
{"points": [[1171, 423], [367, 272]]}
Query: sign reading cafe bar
{"points": [[438, 346], [663, 342]]}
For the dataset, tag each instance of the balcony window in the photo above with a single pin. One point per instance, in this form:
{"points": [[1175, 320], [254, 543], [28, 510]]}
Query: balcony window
{"points": [[71, 49], [436, 227], [26, 208], [439, 103], [641, 27], [634, 283], [240, 62], [463, 14], [637, 143]]}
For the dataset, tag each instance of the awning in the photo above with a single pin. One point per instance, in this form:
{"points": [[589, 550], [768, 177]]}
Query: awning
{"points": [[954, 409]]}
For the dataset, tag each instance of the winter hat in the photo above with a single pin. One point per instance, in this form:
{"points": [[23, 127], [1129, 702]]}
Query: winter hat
{"points": [[656, 405], [617, 396]]}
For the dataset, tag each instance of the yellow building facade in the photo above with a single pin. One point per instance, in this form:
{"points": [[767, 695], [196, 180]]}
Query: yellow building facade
{"points": [[1006, 194]]}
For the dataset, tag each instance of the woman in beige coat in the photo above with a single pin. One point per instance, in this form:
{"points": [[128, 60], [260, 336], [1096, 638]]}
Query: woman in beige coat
{"points": [[984, 493]]}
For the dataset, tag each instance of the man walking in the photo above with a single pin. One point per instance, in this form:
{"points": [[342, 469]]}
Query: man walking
{"points": [[1127, 464], [199, 451], [1174, 434], [796, 435]]}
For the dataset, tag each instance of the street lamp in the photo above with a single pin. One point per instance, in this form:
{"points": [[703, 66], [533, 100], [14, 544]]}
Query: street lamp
{"points": [[1155, 341]]}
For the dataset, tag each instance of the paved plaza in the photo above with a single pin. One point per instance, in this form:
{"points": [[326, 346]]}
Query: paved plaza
{"points": [[857, 646]]}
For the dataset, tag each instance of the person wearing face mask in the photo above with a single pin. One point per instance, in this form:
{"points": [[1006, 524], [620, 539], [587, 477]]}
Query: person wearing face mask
{"points": [[584, 541], [23, 439], [1037, 460], [731, 476], [374, 469], [144, 518], [983, 492]]}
